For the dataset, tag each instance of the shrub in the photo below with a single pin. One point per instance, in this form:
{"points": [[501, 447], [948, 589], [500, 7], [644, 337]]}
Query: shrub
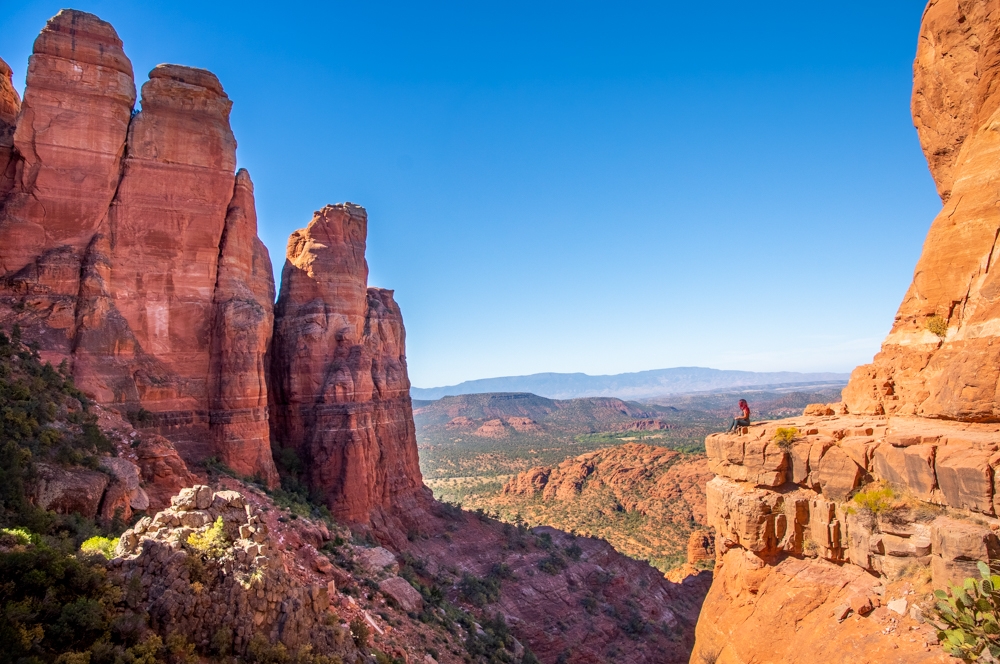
{"points": [[212, 542], [360, 632], [102, 545], [785, 436], [972, 613], [937, 325], [16, 537], [479, 592], [552, 563], [877, 500]]}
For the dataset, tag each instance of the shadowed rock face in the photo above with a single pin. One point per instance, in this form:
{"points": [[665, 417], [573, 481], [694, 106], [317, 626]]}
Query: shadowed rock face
{"points": [[339, 391], [128, 245], [942, 357], [10, 105]]}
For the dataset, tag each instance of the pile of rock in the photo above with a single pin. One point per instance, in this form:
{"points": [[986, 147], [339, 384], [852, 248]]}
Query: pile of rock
{"points": [[222, 596]]}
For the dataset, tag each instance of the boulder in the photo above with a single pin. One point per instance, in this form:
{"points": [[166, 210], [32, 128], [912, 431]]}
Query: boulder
{"points": [[68, 490], [965, 477], [838, 474], [402, 593]]}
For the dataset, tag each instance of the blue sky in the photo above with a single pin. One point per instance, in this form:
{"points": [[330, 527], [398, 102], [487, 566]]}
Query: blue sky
{"points": [[597, 187]]}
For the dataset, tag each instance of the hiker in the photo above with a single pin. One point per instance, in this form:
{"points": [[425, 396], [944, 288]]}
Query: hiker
{"points": [[743, 418]]}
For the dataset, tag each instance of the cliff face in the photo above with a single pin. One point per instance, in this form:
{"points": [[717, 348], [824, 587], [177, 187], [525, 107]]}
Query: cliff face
{"points": [[128, 244], [941, 358], [831, 538], [340, 393]]}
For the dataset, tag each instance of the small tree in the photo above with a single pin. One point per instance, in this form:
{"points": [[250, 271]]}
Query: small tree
{"points": [[972, 613]]}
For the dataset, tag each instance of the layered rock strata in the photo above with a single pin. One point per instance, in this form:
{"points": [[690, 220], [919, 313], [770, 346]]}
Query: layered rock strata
{"points": [[128, 243], [789, 534], [942, 357], [340, 392]]}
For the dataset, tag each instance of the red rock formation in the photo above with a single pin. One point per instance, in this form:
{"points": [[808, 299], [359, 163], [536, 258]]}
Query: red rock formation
{"points": [[241, 335], [145, 271], [339, 389], [10, 105], [70, 140], [941, 358]]}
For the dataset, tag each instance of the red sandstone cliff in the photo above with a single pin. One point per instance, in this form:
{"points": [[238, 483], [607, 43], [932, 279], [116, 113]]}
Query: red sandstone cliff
{"points": [[804, 572], [340, 394], [128, 244], [941, 358]]}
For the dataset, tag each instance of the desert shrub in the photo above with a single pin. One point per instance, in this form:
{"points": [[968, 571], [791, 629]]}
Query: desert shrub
{"points": [[213, 542], [552, 563], [262, 651], [139, 418], [105, 546], [360, 632], [937, 325], [971, 613], [56, 607], [16, 537], [574, 551], [785, 436], [876, 500], [479, 592]]}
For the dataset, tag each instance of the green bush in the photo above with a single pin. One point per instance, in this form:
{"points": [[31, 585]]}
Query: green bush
{"points": [[937, 325], [877, 500], [213, 542], [972, 615], [360, 632], [102, 545], [785, 436], [479, 592]]}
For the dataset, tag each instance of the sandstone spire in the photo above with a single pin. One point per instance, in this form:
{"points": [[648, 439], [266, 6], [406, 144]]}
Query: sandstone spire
{"points": [[70, 140], [340, 393]]}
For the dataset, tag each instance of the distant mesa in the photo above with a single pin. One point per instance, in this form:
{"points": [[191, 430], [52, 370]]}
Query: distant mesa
{"points": [[638, 385]]}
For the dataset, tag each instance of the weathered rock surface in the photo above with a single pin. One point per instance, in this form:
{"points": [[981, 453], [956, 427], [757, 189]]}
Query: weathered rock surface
{"points": [[10, 106], [801, 551], [941, 358], [68, 490], [70, 141], [234, 587], [128, 245], [340, 393]]}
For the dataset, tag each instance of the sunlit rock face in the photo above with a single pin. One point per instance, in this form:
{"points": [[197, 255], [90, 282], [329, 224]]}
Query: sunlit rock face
{"points": [[942, 357], [340, 392], [128, 242]]}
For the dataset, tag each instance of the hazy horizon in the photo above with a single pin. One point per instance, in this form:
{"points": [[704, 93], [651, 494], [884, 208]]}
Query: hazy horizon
{"points": [[579, 187]]}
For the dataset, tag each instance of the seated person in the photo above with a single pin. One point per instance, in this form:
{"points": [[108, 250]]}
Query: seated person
{"points": [[743, 418]]}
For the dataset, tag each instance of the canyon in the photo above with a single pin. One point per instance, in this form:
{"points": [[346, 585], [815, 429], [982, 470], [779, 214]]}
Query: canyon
{"points": [[275, 433]]}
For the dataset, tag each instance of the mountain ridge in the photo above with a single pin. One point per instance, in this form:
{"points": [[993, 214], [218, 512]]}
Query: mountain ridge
{"points": [[631, 385]]}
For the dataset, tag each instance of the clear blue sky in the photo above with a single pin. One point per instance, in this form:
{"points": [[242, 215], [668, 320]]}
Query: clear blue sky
{"points": [[597, 187]]}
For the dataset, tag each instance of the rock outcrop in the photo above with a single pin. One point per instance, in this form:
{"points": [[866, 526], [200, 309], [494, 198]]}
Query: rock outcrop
{"points": [[128, 243], [792, 546], [340, 392], [942, 357]]}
